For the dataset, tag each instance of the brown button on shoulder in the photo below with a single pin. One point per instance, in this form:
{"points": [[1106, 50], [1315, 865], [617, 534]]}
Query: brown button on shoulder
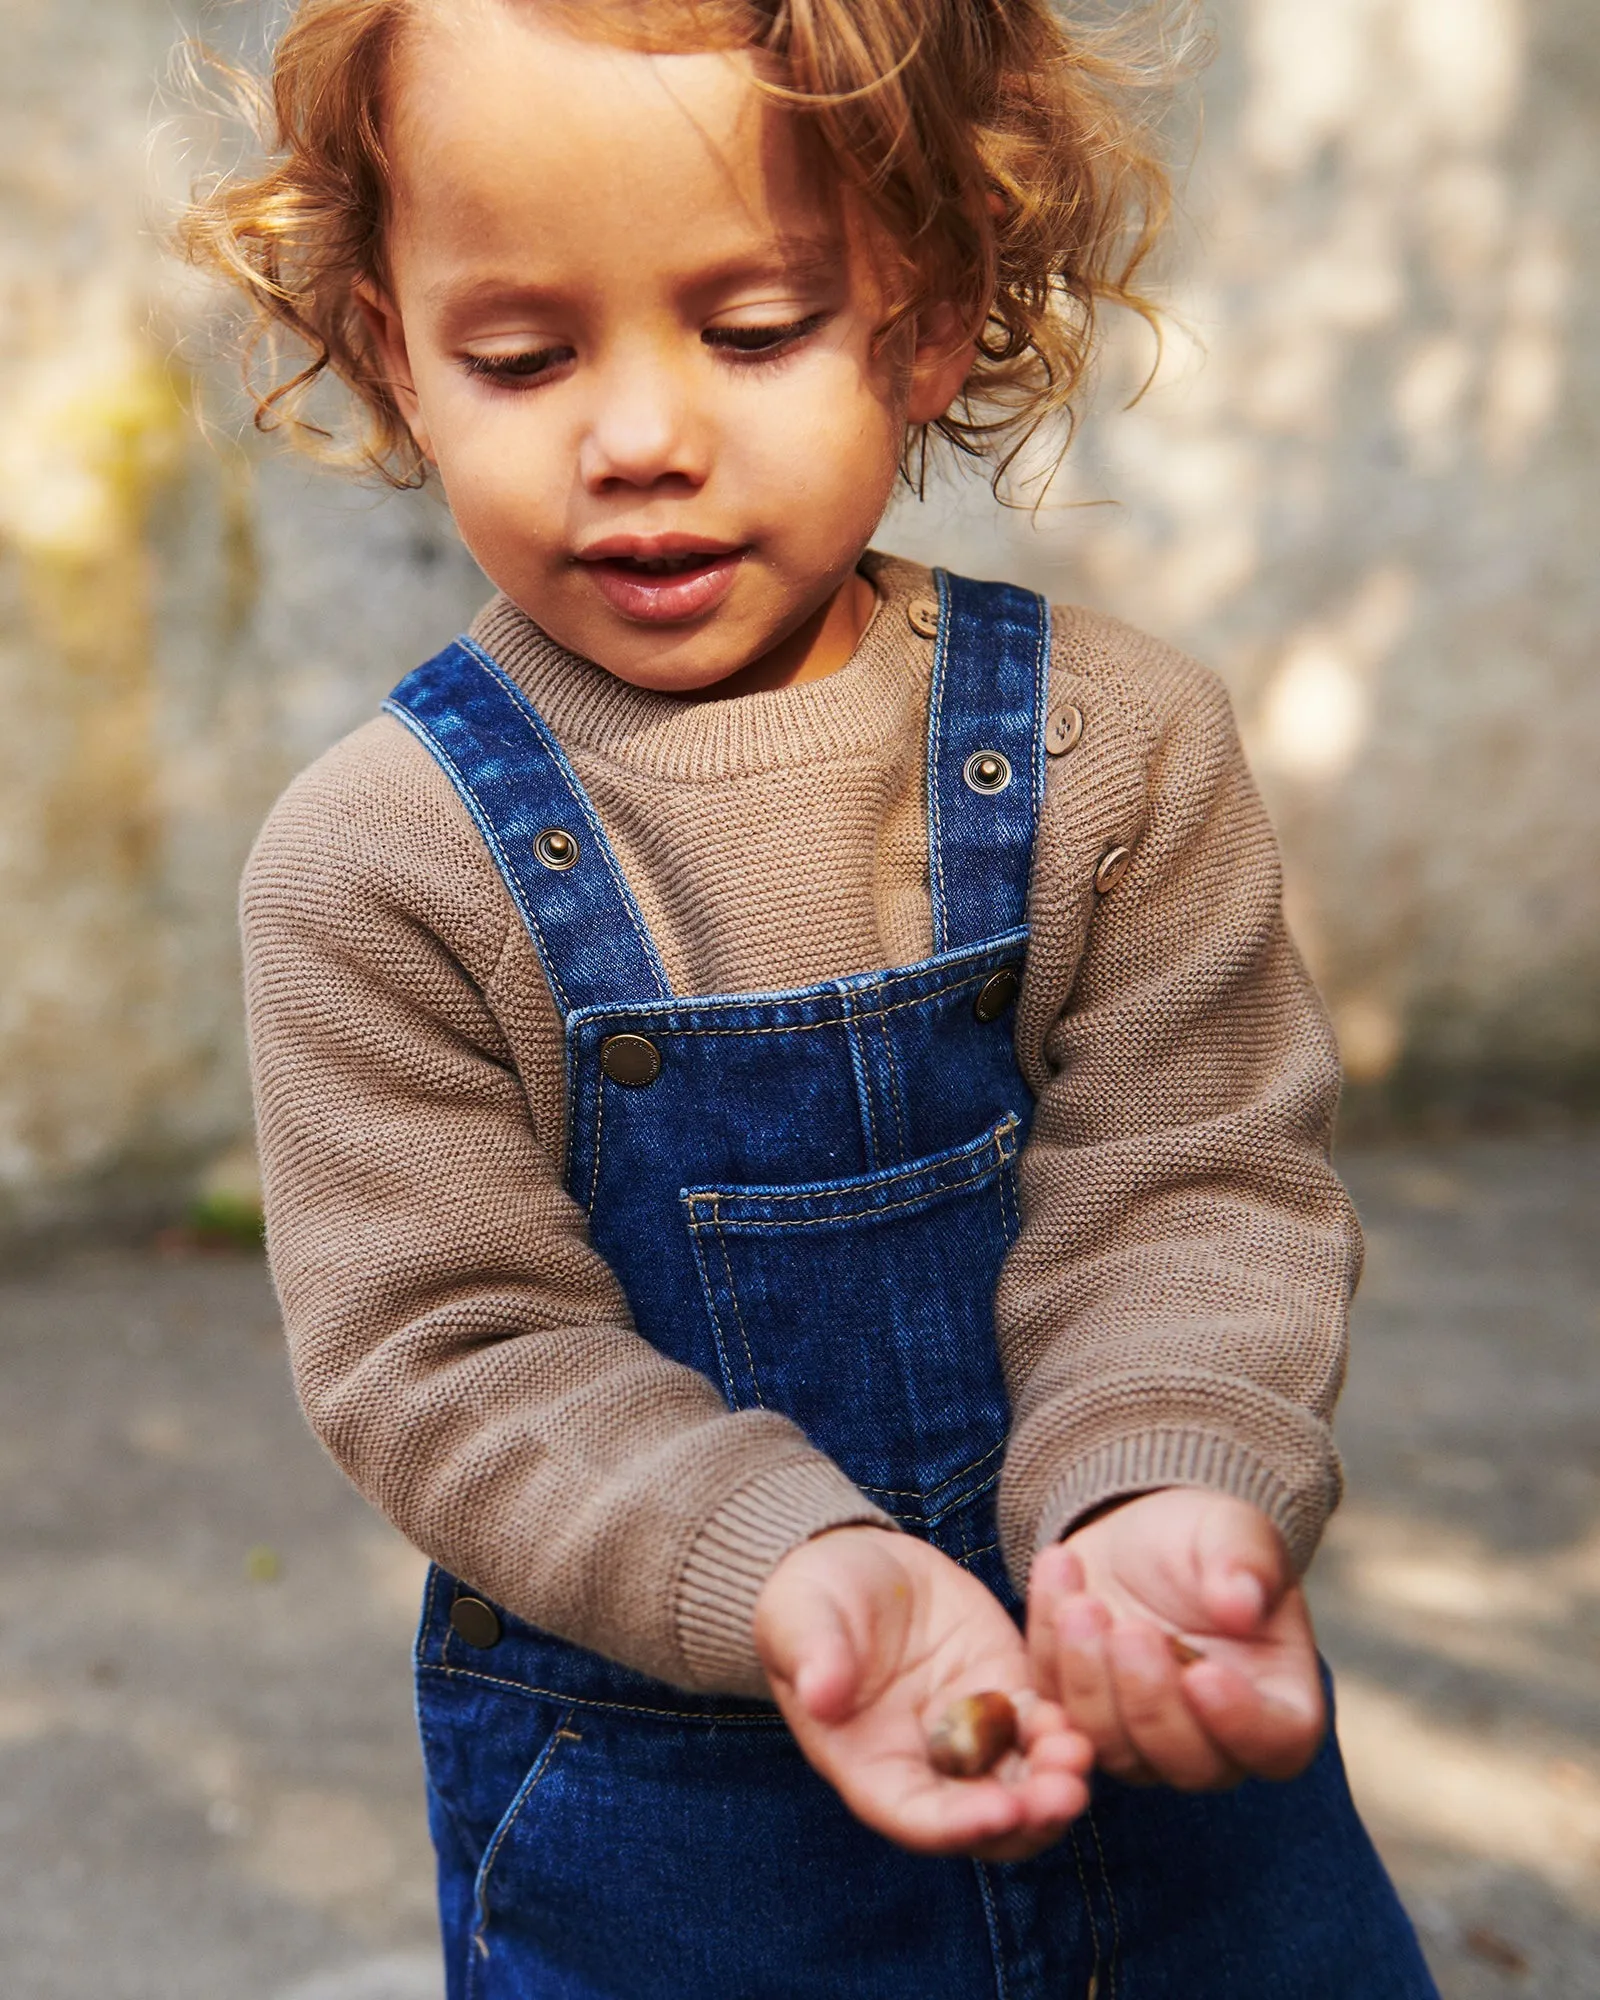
{"points": [[1063, 731], [923, 615], [475, 1622], [1113, 865], [996, 993], [631, 1059]]}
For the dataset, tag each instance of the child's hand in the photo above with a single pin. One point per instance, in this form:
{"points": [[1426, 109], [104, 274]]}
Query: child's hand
{"points": [[866, 1637], [1102, 1607]]}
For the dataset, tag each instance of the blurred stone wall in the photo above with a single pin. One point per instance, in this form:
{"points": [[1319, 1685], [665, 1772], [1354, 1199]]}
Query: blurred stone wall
{"points": [[1365, 488], [1362, 487]]}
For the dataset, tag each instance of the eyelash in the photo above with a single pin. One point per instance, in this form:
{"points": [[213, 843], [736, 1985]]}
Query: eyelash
{"points": [[744, 345], [515, 370], [762, 342]]}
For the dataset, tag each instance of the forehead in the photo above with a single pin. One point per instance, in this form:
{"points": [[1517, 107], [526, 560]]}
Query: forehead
{"points": [[509, 135]]}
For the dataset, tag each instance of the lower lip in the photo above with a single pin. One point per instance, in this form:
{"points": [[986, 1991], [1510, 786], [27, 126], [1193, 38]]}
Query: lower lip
{"points": [[669, 598]]}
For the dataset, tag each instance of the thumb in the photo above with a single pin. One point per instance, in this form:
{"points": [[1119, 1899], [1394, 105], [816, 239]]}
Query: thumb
{"points": [[1244, 1569], [806, 1644]]}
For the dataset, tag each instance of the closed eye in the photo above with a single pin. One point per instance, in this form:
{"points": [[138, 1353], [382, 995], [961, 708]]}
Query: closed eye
{"points": [[762, 342], [513, 369]]}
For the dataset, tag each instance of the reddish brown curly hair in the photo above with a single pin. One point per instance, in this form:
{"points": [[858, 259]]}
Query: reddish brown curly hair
{"points": [[1007, 159]]}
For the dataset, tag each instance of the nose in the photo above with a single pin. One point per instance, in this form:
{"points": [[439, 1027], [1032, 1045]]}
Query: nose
{"points": [[644, 428]]}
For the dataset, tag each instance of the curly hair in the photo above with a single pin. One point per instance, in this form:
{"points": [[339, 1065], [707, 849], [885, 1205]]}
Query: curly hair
{"points": [[1007, 161]]}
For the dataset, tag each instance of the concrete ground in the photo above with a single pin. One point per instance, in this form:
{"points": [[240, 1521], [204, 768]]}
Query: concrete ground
{"points": [[208, 1786]]}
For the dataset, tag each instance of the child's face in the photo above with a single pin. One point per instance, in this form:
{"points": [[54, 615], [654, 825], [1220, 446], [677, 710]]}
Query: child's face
{"points": [[631, 328]]}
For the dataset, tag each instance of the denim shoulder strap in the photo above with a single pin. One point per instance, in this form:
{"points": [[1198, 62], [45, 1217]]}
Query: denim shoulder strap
{"points": [[539, 825], [991, 668]]}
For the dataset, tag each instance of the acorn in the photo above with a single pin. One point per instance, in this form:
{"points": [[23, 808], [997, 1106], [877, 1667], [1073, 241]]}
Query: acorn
{"points": [[973, 1734]]}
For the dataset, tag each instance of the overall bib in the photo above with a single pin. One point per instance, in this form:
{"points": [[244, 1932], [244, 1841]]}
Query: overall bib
{"points": [[807, 1196]]}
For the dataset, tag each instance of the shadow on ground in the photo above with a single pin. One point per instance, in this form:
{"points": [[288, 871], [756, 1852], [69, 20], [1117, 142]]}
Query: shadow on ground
{"points": [[208, 1782]]}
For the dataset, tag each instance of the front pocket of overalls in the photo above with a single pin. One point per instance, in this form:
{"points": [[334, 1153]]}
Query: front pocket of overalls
{"points": [[863, 1309]]}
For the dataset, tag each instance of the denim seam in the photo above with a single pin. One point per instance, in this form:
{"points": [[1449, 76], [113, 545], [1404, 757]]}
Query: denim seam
{"points": [[738, 1315], [425, 1628], [969, 1157], [1010, 1211], [892, 1069], [858, 1063], [572, 1701], [829, 989], [935, 725], [491, 837], [805, 1027], [599, 1127], [914, 1518], [1041, 710], [852, 1215], [513, 1812], [1088, 1910], [1111, 1904], [708, 1293], [581, 800], [928, 1492], [991, 1921]]}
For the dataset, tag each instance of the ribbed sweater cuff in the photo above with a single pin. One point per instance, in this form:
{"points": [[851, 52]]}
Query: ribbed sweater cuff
{"points": [[1148, 1459], [738, 1549]]}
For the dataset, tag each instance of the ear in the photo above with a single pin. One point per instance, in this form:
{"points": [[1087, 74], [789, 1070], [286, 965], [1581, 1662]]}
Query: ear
{"points": [[941, 361], [389, 339]]}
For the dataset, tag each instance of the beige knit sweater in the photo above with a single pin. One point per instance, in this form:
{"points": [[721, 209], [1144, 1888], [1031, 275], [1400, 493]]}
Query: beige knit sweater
{"points": [[1172, 1313]]}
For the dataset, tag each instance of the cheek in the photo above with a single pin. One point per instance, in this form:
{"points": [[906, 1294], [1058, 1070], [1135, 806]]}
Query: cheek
{"points": [[839, 443]]}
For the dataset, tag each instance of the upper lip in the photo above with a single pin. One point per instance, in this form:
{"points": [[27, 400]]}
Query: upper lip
{"points": [[652, 548]]}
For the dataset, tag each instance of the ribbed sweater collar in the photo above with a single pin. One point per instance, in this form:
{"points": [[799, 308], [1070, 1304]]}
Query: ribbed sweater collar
{"points": [[854, 712]]}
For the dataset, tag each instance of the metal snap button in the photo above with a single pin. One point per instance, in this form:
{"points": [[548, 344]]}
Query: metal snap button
{"points": [[1064, 731], [923, 614], [996, 993], [475, 1622], [630, 1059], [556, 849], [987, 771], [1112, 867]]}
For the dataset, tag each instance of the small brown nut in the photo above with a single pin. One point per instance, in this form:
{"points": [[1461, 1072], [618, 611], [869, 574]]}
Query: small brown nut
{"points": [[973, 1734], [1182, 1651]]}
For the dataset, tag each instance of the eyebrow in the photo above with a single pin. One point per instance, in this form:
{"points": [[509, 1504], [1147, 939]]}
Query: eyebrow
{"points": [[795, 257]]}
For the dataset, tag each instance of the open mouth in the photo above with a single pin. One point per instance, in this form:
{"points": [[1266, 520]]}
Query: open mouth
{"points": [[660, 587], [662, 565]]}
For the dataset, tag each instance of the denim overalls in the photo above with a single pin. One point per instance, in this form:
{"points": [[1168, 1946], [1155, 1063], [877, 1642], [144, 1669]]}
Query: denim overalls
{"points": [[807, 1196]]}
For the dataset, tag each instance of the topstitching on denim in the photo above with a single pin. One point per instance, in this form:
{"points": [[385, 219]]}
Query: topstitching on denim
{"points": [[581, 800]]}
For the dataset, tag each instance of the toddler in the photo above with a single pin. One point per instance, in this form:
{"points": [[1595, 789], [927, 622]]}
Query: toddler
{"points": [[789, 1116]]}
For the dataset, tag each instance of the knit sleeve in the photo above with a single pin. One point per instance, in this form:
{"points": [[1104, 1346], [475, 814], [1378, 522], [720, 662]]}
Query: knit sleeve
{"points": [[1174, 1310], [458, 1344]]}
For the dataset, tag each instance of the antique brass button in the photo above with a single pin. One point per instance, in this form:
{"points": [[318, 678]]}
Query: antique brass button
{"points": [[923, 613], [473, 1620], [1113, 866], [1064, 731], [630, 1059], [987, 771], [556, 849], [996, 993]]}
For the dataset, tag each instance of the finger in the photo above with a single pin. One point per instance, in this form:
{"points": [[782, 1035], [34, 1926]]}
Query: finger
{"points": [[1083, 1670], [1270, 1732], [1047, 1740], [1056, 1575], [944, 1816], [1051, 1809], [1244, 1570], [807, 1645], [1162, 1728], [1056, 1572]]}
